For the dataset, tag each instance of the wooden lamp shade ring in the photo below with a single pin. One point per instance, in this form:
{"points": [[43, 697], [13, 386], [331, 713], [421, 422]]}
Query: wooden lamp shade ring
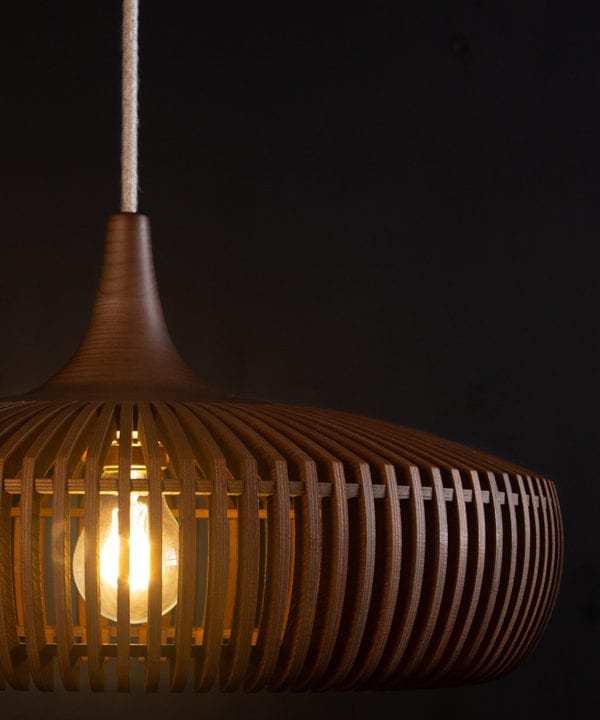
{"points": [[318, 549]]}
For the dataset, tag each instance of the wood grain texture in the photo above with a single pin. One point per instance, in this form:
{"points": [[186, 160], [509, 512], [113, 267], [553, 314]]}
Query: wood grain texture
{"points": [[38, 457], [67, 459], [184, 464], [124, 502], [127, 351], [152, 458], [318, 550], [400, 583], [96, 453]]}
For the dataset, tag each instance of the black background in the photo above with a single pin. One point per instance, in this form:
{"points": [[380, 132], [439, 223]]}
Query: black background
{"points": [[391, 211]]}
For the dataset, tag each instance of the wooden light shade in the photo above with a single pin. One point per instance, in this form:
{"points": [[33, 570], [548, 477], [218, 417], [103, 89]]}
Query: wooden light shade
{"points": [[318, 550]]}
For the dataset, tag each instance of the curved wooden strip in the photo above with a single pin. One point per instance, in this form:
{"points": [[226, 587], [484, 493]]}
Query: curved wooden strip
{"points": [[485, 577], [277, 574], [458, 542], [558, 550], [11, 420], [124, 509], [8, 407], [20, 433], [386, 583], [334, 567], [307, 535], [433, 586], [321, 619], [481, 460], [182, 456], [305, 584], [477, 542], [440, 641], [152, 457], [520, 599], [100, 440], [361, 443], [13, 658], [40, 457], [526, 613], [540, 593], [67, 458], [411, 578], [472, 595], [236, 655], [359, 586], [213, 462], [561, 533], [512, 585], [423, 446], [408, 601], [551, 531], [498, 580], [471, 599], [490, 460], [386, 573], [356, 468], [560, 525], [554, 570]]}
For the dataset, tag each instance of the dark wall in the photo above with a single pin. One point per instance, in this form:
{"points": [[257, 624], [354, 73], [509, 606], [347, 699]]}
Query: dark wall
{"points": [[391, 211]]}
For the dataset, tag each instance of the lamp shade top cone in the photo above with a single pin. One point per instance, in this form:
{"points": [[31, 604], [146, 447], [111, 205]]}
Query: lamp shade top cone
{"points": [[127, 351]]}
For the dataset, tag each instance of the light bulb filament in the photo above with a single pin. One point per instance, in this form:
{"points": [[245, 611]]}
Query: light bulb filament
{"points": [[139, 548]]}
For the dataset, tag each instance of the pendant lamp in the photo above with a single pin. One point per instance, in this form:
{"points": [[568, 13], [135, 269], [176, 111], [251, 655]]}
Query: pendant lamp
{"points": [[145, 518]]}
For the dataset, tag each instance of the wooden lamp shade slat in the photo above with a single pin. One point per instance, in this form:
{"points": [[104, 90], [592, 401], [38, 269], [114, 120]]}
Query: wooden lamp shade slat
{"points": [[317, 550], [124, 507]]}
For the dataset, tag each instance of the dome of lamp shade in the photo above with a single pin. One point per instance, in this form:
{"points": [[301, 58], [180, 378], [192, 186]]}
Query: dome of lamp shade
{"points": [[318, 550]]}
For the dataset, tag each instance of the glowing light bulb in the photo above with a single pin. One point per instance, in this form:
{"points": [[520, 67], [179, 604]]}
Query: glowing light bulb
{"points": [[139, 558]]}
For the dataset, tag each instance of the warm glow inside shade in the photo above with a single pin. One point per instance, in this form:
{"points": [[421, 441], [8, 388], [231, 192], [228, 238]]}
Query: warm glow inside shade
{"points": [[139, 558]]}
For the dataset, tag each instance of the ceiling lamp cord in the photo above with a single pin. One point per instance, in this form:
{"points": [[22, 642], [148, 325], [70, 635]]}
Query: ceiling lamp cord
{"points": [[129, 104]]}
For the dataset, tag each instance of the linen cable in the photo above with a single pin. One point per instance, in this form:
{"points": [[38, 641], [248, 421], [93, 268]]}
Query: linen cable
{"points": [[129, 107]]}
